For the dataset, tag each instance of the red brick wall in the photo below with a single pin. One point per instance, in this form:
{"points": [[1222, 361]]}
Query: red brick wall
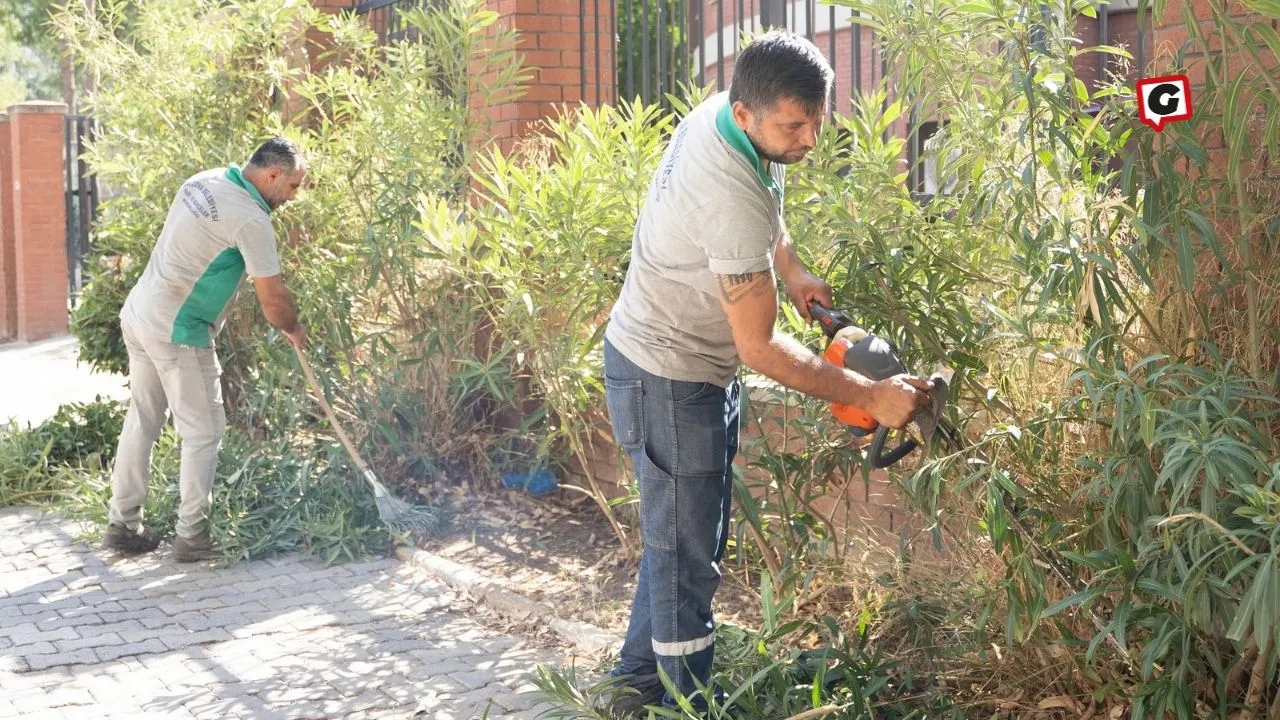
{"points": [[315, 42], [1170, 33], [8, 297], [558, 42], [39, 219], [750, 17]]}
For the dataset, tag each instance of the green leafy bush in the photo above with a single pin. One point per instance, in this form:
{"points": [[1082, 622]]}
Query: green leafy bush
{"points": [[38, 465], [26, 474], [78, 430], [1120, 468]]}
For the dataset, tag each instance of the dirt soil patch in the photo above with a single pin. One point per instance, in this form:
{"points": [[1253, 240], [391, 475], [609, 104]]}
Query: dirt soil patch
{"points": [[559, 549]]}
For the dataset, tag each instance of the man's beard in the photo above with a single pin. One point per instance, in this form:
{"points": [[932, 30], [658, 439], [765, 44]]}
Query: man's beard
{"points": [[771, 156]]}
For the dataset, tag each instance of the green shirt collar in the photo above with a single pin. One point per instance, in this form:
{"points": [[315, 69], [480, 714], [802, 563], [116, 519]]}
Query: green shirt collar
{"points": [[237, 177], [739, 141]]}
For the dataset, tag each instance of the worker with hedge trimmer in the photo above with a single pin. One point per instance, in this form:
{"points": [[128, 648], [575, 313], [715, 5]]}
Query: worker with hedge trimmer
{"points": [[218, 230], [700, 297]]}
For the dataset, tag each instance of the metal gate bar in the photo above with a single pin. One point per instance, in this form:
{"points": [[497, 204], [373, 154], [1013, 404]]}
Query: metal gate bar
{"points": [[81, 199]]}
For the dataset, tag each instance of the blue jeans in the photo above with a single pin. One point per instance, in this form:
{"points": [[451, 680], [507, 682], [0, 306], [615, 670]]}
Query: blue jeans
{"points": [[681, 437]]}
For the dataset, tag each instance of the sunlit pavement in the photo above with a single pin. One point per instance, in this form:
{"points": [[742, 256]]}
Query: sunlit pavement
{"points": [[88, 634]]}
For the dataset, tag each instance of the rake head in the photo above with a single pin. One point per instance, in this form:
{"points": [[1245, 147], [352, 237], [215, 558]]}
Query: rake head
{"points": [[398, 515]]}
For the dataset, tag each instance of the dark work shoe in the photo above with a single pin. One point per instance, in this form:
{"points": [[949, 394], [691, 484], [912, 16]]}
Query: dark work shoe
{"points": [[193, 549], [120, 538], [628, 695]]}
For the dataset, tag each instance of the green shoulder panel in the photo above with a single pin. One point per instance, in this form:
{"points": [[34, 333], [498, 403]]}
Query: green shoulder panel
{"points": [[207, 300]]}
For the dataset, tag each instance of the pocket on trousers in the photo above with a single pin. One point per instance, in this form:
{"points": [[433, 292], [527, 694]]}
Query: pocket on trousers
{"points": [[625, 400], [657, 504]]}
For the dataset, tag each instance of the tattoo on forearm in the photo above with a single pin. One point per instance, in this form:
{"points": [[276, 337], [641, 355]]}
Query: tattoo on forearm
{"points": [[735, 288]]}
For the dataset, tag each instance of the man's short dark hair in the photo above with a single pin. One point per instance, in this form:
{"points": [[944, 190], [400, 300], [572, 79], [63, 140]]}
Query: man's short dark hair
{"points": [[780, 65], [277, 152]]}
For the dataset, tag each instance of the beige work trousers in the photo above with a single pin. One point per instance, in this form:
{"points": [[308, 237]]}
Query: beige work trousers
{"points": [[183, 380]]}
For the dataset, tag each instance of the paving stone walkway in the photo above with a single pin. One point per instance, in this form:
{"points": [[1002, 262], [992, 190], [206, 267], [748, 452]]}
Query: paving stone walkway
{"points": [[87, 634]]}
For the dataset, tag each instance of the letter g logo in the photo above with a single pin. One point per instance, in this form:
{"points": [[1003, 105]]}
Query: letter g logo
{"points": [[1164, 100]]}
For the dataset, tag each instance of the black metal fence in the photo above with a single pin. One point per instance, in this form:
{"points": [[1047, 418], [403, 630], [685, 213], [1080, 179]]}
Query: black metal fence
{"points": [[660, 45], [82, 200], [666, 43], [386, 17]]}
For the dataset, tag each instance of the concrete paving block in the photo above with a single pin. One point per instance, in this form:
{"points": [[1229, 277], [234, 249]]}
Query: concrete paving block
{"points": [[53, 606], [474, 679], [284, 695], [68, 696], [178, 609], [72, 620], [31, 635], [140, 635], [113, 652], [515, 702], [204, 637], [365, 701], [88, 641], [40, 648], [304, 711]]}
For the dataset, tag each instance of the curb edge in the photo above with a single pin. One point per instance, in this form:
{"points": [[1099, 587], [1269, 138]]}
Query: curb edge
{"points": [[584, 637]]}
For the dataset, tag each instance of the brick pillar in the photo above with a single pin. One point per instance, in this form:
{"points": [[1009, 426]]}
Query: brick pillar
{"points": [[8, 296], [39, 219], [558, 43]]}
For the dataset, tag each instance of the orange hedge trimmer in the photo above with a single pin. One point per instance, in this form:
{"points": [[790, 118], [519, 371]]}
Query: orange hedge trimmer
{"points": [[873, 357]]}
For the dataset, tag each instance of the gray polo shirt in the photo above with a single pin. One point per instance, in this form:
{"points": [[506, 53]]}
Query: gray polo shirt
{"points": [[712, 209], [217, 230]]}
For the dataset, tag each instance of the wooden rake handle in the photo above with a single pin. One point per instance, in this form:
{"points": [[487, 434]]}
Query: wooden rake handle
{"points": [[328, 414]]}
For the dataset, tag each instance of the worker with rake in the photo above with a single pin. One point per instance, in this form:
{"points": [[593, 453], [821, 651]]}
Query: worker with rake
{"points": [[701, 296], [218, 230]]}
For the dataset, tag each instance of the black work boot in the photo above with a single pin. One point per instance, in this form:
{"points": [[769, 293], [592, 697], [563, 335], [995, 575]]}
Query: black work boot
{"points": [[628, 695], [195, 548], [120, 538]]}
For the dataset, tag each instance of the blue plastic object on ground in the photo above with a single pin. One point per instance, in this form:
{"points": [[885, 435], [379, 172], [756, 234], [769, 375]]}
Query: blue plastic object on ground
{"points": [[536, 483]]}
